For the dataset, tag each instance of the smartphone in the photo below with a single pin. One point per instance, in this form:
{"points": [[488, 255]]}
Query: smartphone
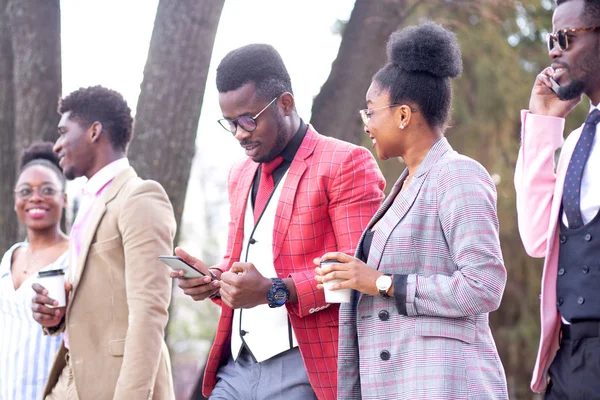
{"points": [[177, 263], [555, 85]]}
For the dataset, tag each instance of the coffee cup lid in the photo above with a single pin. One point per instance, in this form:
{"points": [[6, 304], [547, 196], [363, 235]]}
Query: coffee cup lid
{"points": [[52, 272]]}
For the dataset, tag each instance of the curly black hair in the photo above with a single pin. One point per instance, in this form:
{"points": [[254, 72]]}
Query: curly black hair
{"points": [[257, 63], [41, 153], [591, 10], [99, 104], [421, 59]]}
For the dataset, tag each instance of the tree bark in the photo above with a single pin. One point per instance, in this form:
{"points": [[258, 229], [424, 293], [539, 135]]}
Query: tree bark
{"points": [[35, 33], [361, 54], [172, 92], [8, 218]]}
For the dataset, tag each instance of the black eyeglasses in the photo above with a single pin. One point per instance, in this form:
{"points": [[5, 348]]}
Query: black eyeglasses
{"points": [[246, 122], [562, 37]]}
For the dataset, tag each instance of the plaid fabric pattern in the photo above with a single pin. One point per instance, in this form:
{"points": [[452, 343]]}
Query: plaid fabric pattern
{"points": [[442, 232], [331, 192]]}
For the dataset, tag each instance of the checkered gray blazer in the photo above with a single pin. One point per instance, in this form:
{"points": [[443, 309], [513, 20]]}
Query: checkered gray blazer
{"points": [[442, 234]]}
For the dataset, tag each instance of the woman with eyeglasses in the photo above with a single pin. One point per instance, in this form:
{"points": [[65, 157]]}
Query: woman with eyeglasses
{"points": [[25, 353], [428, 269]]}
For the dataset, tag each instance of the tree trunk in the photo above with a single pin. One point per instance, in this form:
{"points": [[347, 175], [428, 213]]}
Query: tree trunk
{"points": [[35, 34], [361, 54], [172, 92], [8, 218]]}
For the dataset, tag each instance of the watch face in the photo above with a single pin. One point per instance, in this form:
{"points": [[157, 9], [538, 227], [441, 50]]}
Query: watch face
{"points": [[279, 296], [383, 282]]}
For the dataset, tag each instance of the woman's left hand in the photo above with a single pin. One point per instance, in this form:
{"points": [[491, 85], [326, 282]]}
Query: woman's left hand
{"points": [[355, 274]]}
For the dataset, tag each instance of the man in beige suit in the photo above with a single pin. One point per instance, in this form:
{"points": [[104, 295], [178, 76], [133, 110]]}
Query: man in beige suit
{"points": [[119, 291]]}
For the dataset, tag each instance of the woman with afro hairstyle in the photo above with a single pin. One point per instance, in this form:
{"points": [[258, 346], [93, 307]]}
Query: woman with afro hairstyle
{"points": [[428, 269], [26, 354]]}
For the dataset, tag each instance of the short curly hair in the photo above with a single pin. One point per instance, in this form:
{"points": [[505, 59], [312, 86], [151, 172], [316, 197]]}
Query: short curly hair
{"points": [[421, 59], [257, 63], [42, 153], [591, 10], [99, 104]]}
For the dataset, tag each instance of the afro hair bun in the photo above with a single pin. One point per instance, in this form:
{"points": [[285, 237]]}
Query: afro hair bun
{"points": [[426, 48], [40, 151]]}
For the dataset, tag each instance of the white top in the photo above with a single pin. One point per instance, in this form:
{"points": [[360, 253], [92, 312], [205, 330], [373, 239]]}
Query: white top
{"points": [[268, 329], [26, 354], [590, 187]]}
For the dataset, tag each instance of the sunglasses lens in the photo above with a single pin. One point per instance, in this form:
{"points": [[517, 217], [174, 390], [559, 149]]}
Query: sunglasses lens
{"points": [[562, 40], [246, 123], [550, 42]]}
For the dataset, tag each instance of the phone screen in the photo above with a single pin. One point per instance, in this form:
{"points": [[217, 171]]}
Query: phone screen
{"points": [[176, 263]]}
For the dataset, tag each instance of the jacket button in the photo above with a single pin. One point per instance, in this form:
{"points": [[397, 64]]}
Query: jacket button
{"points": [[559, 301], [585, 269], [384, 315], [561, 271], [587, 237], [580, 300], [563, 239], [385, 355]]}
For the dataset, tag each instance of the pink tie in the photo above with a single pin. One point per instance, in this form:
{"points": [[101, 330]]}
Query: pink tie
{"points": [[265, 186]]}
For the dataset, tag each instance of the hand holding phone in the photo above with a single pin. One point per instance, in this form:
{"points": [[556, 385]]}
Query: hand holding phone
{"points": [[555, 85], [177, 263]]}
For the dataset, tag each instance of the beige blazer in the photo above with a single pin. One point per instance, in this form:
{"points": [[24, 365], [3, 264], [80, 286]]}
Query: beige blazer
{"points": [[117, 310]]}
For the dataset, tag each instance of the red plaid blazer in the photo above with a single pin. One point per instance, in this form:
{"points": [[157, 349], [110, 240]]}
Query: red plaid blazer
{"points": [[332, 190]]}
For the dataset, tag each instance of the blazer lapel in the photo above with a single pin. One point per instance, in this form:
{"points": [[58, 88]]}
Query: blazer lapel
{"points": [[394, 210], [239, 203], [285, 207], [96, 214]]}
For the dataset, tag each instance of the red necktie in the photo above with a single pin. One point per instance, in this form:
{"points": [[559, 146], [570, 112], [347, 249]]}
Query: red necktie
{"points": [[265, 186], [571, 191]]}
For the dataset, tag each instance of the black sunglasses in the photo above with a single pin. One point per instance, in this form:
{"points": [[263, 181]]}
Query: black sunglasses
{"points": [[246, 122], [562, 37]]}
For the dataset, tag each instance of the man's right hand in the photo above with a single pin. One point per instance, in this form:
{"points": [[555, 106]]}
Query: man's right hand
{"points": [[44, 315], [197, 288], [544, 101]]}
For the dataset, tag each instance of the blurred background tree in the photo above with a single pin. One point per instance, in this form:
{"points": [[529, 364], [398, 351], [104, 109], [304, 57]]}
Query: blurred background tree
{"points": [[30, 85]]}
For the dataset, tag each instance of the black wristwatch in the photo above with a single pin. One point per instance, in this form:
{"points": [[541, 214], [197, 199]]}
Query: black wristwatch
{"points": [[279, 294]]}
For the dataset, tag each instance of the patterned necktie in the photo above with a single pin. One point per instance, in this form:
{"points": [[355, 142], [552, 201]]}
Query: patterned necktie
{"points": [[572, 189], [265, 186]]}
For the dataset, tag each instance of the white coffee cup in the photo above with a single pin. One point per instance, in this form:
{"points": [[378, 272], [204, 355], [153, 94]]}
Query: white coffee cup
{"points": [[54, 281], [335, 296]]}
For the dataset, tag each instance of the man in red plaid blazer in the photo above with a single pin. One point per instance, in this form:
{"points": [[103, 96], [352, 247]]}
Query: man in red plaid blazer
{"points": [[277, 337]]}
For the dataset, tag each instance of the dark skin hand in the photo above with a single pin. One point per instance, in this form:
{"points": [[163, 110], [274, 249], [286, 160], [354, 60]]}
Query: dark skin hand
{"points": [[44, 315], [355, 274], [244, 287], [197, 288], [240, 287]]}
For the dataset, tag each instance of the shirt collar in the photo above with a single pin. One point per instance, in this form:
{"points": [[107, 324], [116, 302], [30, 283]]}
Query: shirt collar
{"points": [[105, 175], [289, 151]]}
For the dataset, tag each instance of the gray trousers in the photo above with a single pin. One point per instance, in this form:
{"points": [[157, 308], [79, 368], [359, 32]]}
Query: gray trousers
{"points": [[281, 377]]}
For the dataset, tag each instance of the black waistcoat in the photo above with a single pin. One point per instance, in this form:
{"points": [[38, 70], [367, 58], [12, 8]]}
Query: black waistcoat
{"points": [[578, 282]]}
